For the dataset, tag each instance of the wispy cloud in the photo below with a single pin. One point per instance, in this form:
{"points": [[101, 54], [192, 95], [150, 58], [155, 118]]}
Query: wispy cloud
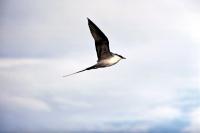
{"points": [[194, 125], [17, 102]]}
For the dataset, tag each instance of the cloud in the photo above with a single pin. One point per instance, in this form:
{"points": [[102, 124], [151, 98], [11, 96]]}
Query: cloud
{"points": [[12, 62], [29, 103], [35, 33], [160, 114], [194, 119], [78, 100], [69, 103], [144, 121]]}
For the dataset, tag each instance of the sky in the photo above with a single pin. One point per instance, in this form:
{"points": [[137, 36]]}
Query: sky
{"points": [[155, 90]]}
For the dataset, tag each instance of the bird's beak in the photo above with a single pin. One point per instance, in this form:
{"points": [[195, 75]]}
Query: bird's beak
{"points": [[123, 58]]}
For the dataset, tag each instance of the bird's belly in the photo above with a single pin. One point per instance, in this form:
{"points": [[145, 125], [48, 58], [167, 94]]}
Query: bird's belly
{"points": [[109, 62]]}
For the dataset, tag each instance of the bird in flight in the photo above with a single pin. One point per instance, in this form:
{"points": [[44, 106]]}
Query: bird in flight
{"points": [[105, 57]]}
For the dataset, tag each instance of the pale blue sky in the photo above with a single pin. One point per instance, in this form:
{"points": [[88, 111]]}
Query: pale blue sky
{"points": [[156, 89]]}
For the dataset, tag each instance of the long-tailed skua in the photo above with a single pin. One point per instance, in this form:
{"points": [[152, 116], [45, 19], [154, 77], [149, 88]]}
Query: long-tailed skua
{"points": [[105, 57]]}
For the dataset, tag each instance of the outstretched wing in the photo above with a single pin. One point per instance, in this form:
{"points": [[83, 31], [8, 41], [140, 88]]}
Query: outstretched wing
{"points": [[89, 68], [101, 41]]}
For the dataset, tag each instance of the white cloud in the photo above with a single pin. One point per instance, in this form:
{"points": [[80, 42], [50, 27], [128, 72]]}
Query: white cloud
{"points": [[29, 103], [194, 126], [69, 103], [160, 114], [12, 62], [99, 101], [142, 121]]}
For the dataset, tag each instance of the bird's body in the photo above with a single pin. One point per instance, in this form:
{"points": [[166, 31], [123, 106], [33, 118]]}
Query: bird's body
{"points": [[105, 57], [109, 61]]}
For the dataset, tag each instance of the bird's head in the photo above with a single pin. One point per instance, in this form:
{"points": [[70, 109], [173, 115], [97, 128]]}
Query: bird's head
{"points": [[120, 56]]}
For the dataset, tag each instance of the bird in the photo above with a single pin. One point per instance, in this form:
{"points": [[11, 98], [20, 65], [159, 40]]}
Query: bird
{"points": [[105, 57]]}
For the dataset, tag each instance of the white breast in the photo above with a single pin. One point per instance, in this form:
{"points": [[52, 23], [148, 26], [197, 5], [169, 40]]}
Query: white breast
{"points": [[110, 61]]}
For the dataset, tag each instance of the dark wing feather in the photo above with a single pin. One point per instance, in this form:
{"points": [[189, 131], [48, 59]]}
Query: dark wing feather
{"points": [[101, 41]]}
